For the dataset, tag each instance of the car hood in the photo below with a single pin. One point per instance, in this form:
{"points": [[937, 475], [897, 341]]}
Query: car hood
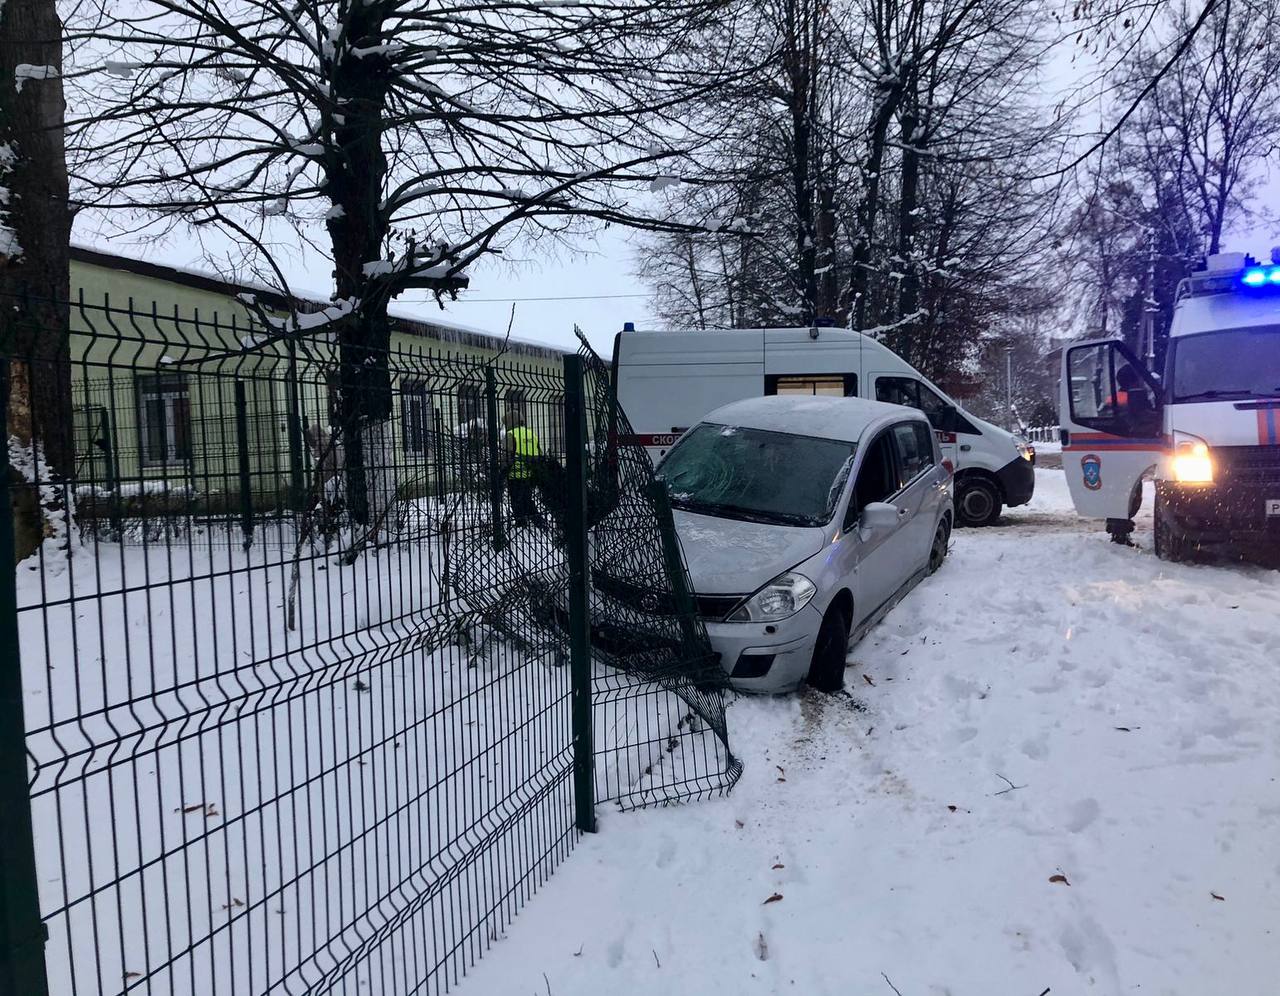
{"points": [[732, 557]]}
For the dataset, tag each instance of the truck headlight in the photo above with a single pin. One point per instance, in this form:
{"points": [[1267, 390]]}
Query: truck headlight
{"points": [[1192, 463], [784, 596]]}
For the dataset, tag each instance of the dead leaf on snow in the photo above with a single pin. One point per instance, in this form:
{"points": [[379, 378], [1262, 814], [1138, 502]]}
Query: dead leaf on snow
{"points": [[1059, 878], [867, 679], [776, 867], [776, 897], [1221, 899], [739, 824]]}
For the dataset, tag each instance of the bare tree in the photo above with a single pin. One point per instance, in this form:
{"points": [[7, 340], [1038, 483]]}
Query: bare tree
{"points": [[420, 136], [34, 267]]}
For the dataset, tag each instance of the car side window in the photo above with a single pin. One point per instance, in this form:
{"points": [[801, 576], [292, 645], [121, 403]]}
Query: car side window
{"points": [[877, 477], [928, 443], [915, 450]]}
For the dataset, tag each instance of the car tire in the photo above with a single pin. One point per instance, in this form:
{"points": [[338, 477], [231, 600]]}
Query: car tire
{"points": [[938, 550], [1171, 545], [977, 502], [826, 671]]}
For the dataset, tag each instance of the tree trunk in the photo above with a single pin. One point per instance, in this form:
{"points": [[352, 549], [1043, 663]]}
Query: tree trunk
{"points": [[799, 56], [355, 169], [35, 270], [909, 288], [886, 104]]}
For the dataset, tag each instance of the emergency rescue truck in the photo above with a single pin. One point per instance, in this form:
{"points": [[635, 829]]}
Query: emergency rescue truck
{"points": [[1207, 426], [667, 381]]}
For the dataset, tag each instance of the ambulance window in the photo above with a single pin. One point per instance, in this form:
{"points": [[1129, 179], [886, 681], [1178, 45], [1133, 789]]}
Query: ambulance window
{"points": [[910, 392], [835, 385]]}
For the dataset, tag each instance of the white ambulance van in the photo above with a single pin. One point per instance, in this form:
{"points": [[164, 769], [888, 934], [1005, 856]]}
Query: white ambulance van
{"points": [[667, 381], [1207, 427]]}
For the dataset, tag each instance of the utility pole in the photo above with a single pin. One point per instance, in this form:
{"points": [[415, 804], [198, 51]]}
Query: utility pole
{"points": [[1008, 385]]}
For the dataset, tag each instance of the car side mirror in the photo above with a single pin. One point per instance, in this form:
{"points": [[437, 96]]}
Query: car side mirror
{"points": [[878, 516]]}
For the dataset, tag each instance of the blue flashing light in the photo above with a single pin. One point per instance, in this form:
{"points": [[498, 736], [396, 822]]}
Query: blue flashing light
{"points": [[1255, 276], [1275, 275]]}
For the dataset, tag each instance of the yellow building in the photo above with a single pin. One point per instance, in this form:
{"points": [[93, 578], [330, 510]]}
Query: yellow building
{"points": [[186, 385]]}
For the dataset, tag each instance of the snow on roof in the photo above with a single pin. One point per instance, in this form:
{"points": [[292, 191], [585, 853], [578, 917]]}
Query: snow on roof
{"points": [[405, 320], [806, 415]]}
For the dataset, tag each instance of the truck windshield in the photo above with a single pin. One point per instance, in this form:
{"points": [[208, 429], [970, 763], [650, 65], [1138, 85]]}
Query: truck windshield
{"points": [[1230, 365], [756, 475]]}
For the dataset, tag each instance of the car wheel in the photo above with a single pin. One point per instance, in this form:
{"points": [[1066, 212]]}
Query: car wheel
{"points": [[977, 502], [1171, 545], [938, 551], [826, 672]]}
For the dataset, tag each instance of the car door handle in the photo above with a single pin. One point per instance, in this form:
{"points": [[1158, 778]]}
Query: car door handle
{"points": [[965, 448]]}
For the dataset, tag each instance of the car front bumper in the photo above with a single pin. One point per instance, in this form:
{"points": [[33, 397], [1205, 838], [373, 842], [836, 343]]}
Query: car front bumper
{"points": [[757, 660], [1018, 481]]}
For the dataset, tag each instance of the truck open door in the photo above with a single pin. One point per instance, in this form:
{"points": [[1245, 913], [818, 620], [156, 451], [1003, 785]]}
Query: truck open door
{"points": [[1110, 410]]}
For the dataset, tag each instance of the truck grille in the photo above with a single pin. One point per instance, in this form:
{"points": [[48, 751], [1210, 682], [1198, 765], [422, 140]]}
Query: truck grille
{"points": [[1248, 464]]}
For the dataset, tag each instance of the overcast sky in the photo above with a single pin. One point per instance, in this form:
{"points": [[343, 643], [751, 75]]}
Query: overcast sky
{"points": [[594, 287]]}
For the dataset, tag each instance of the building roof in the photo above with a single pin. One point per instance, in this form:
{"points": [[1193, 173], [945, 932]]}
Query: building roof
{"points": [[443, 332]]}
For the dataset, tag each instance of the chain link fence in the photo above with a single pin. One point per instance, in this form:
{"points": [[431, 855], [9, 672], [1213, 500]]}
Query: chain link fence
{"points": [[291, 703]]}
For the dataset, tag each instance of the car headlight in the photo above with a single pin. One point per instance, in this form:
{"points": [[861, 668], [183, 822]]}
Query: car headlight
{"points": [[1192, 463], [1026, 451], [784, 596]]}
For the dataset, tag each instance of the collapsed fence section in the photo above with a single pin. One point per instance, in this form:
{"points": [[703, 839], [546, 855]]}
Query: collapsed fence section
{"points": [[310, 704]]}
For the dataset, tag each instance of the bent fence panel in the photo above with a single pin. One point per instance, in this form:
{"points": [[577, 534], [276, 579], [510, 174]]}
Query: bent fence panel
{"points": [[274, 749]]}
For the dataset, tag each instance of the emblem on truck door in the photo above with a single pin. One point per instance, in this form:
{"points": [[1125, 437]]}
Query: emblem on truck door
{"points": [[1091, 471]]}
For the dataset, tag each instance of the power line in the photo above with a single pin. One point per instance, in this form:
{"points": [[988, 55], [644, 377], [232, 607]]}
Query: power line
{"points": [[569, 297]]}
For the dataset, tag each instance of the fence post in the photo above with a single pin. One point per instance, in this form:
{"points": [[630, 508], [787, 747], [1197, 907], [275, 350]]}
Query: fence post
{"points": [[242, 453], [575, 449], [495, 462], [297, 480], [22, 934]]}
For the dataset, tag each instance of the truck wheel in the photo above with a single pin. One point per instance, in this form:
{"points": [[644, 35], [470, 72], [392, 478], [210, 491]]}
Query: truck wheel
{"points": [[977, 502], [1171, 545], [826, 672]]}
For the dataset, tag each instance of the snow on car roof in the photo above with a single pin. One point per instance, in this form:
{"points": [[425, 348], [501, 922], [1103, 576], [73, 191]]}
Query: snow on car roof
{"points": [[806, 415]]}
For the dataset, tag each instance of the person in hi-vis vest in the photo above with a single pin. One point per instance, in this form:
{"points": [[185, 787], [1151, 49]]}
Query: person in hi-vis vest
{"points": [[522, 448]]}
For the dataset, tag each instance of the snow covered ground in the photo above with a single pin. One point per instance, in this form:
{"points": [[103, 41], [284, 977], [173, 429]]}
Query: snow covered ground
{"points": [[1056, 773]]}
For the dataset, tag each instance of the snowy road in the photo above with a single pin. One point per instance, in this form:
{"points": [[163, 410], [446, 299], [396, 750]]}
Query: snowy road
{"points": [[1058, 773]]}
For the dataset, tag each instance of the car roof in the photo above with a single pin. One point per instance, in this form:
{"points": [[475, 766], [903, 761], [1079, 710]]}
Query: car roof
{"points": [[806, 415]]}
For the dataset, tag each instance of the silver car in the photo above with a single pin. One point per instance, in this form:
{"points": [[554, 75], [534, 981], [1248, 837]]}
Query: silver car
{"points": [[803, 521]]}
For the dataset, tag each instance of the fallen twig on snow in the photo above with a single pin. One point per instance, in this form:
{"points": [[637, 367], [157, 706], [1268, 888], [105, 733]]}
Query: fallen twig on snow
{"points": [[1011, 787], [891, 985]]}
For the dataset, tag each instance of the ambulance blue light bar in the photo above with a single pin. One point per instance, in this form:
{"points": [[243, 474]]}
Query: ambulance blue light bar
{"points": [[1259, 276]]}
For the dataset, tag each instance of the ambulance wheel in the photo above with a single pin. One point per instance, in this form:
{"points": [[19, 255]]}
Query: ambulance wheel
{"points": [[1171, 545], [977, 502], [826, 672]]}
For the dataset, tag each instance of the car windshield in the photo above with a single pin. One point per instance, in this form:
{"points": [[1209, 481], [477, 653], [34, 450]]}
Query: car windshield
{"points": [[1232, 365], [760, 476]]}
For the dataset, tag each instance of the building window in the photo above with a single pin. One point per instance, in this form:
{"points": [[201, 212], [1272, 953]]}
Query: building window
{"points": [[516, 401], [415, 417], [471, 406], [164, 419]]}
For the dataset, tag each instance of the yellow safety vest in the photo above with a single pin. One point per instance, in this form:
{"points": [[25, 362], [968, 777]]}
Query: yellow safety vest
{"points": [[526, 448]]}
